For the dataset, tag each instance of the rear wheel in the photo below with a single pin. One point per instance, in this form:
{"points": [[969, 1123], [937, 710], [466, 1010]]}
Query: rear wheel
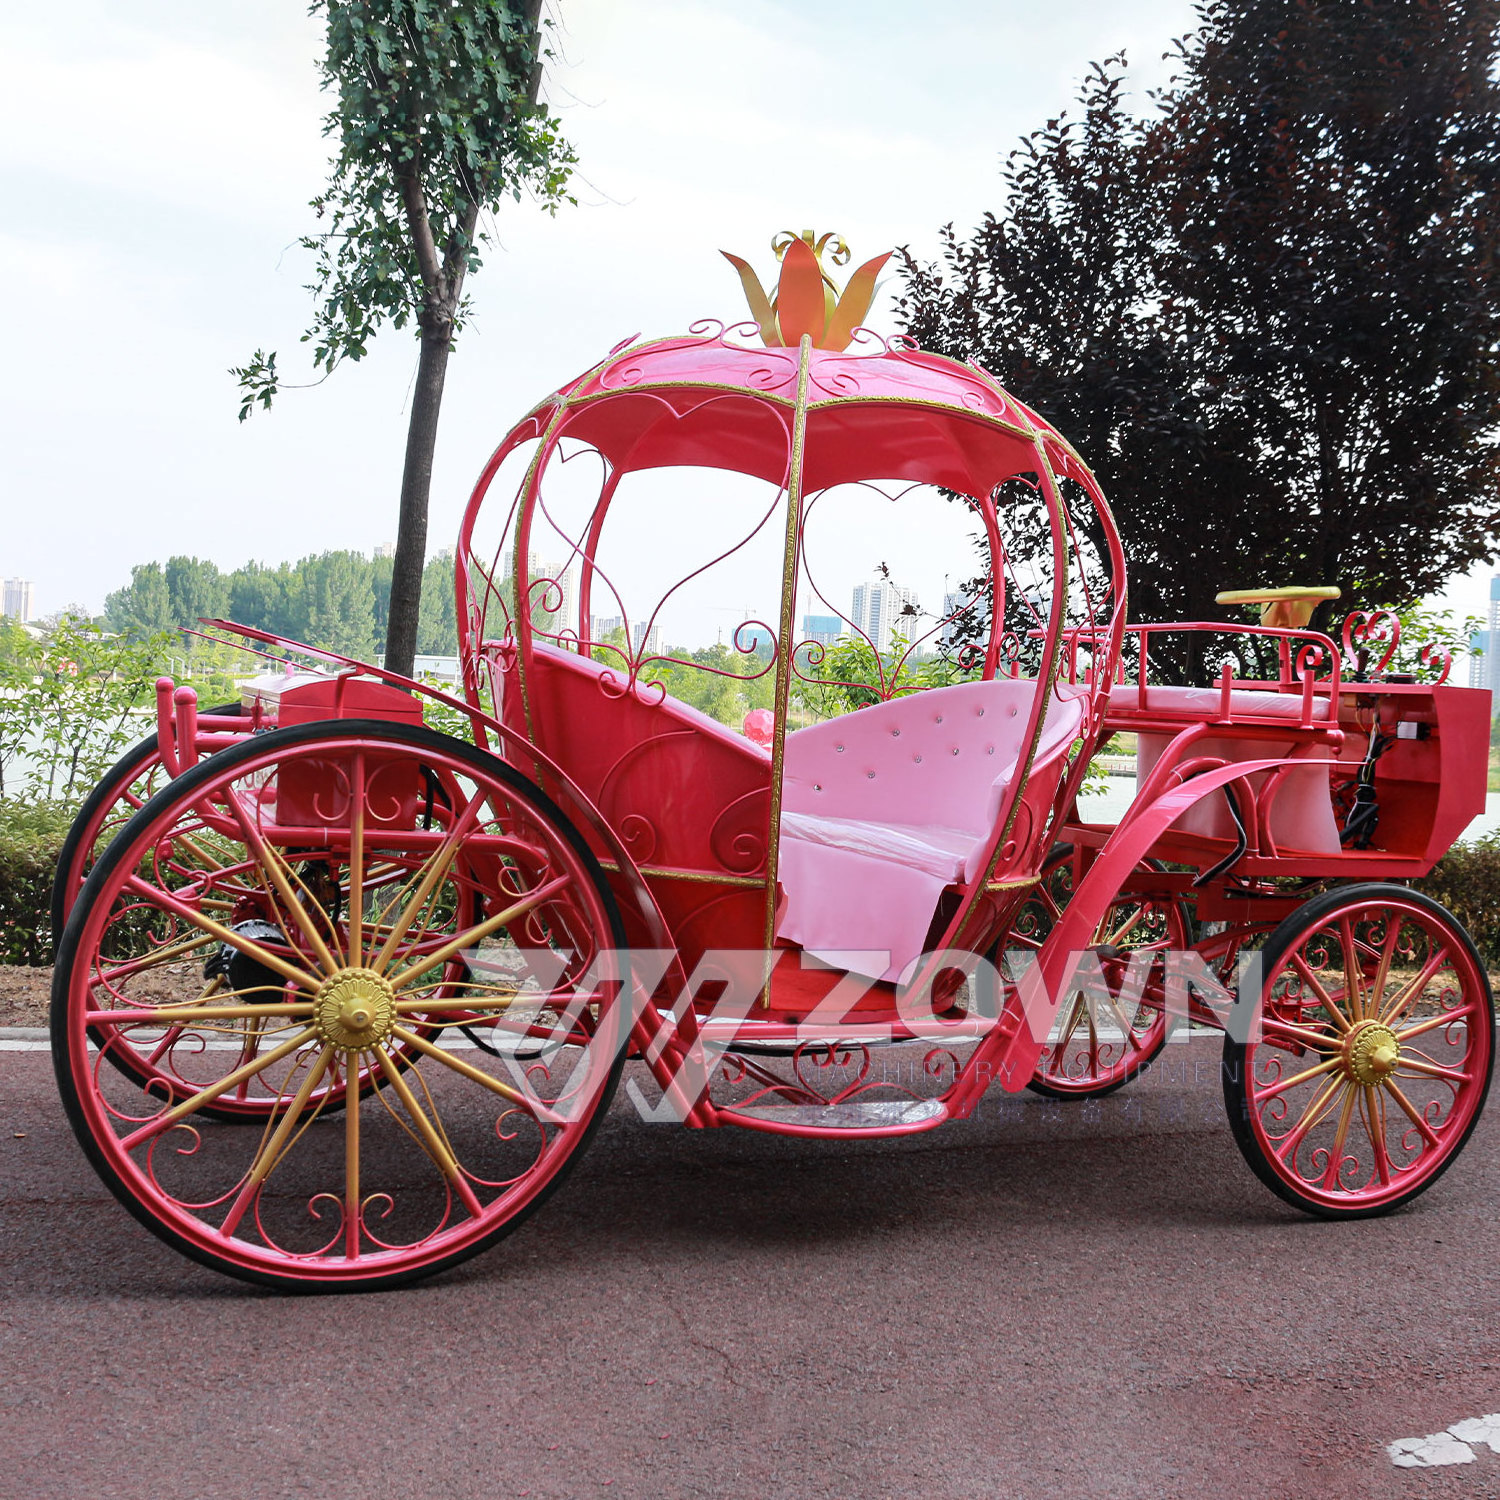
{"points": [[122, 791], [1363, 1068], [490, 917]]}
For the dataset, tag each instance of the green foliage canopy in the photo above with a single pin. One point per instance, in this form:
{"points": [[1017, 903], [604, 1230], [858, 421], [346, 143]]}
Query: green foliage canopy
{"points": [[1267, 314]]}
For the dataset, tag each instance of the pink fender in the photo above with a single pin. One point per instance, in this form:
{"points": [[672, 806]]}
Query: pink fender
{"points": [[1018, 1047]]}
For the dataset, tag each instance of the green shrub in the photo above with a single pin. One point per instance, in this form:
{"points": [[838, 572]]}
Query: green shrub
{"points": [[1467, 881], [31, 836]]}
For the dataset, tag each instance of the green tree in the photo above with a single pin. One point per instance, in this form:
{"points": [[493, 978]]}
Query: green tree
{"points": [[337, 602], [437, 119], [438, 633], [1266, 315], [195, 589], [144, 606]]}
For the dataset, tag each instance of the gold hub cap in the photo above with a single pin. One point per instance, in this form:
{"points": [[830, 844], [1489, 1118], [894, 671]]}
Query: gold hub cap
{"points": [[355, 1010], [1372, 1054]]}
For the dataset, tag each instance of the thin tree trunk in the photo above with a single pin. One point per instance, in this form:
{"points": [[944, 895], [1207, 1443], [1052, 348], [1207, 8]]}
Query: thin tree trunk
{"points": [[416, 486]]}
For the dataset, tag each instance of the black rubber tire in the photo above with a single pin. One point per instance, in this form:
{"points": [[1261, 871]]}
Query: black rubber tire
{"points": [[1236, 1104]]}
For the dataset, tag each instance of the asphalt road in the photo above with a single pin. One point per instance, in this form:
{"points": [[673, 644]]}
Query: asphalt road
{"points": [[1049, 1300]]}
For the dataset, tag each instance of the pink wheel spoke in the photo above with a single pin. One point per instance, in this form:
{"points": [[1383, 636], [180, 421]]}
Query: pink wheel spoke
{"points": [[481, 930], [1271, 1090], [1305, 973], [1403, 1002], [222, 1086], [356, 944], [165, 1045], [271, 1152], [436, 1146], [1411, 1112], [247, 946]]}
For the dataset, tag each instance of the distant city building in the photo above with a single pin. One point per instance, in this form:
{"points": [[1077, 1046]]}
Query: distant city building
{"points": [[953, 620], [17, 602], [1484, 646], [646, 643], [386, 549], [880, 608], [549, 588], [824, 629], [601, 627]]}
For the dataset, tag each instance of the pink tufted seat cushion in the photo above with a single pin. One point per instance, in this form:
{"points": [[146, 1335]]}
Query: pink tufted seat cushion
{"points": [[885, 807]]}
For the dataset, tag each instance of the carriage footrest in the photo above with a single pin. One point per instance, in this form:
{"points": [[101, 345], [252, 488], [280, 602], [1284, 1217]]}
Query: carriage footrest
{"points": [[856, 1114]]}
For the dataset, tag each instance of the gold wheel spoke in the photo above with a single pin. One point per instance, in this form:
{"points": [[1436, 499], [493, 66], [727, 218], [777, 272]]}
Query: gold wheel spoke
{"points": [[1314, 1112], [1431, 1069], [415, 1006], [248, 946], [479, 932], [1373, 1108], [1075, 1014], [185, 1015], [1403, 1002], [165, 955], [1271, 1090], [277, 868], [1411, 1112], [271, 1151], [1444, 1018], [1383, 968], [1305, 973], [1353, 980], [478, 1075], [1316, 1041], [434, 868], [1340, 1138], [353, 1212], [432, 1138], [222, 1086]]}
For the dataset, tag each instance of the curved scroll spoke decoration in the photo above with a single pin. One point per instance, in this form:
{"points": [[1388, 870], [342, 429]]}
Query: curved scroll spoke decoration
{"points": [[1370, 1053], [447, 981]]}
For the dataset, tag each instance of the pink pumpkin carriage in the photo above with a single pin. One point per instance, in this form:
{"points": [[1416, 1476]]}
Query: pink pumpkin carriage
{"points": [[340, 998]]}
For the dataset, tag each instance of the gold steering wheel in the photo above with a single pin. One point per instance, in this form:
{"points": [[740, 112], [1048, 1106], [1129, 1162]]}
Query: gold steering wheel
{"points": [[1287, 609]]}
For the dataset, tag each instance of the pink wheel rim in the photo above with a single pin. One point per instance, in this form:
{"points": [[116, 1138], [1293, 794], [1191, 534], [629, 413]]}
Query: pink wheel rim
{"points": [[1372, 1056]]}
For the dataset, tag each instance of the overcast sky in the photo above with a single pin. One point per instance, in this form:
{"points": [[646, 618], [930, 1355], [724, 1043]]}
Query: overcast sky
{"points": [[157, 161]]}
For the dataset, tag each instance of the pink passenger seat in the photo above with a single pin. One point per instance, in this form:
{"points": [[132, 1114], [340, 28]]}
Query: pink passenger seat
{"points": [[884, 808], [1301, 812]]}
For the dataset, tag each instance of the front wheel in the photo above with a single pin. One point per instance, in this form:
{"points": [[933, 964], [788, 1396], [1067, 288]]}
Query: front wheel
{"points": [[376, 928], [1361, 1070]]}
